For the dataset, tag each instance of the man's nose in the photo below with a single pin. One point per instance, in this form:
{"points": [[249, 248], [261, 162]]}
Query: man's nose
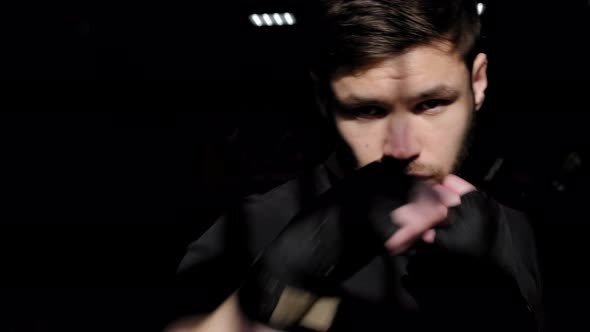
{"points": [[401, 140]]}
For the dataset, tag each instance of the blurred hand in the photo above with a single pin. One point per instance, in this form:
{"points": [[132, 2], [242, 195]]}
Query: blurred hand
{"points": [[428, 207]]}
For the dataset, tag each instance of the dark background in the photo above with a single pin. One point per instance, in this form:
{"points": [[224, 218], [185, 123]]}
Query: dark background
{"points": [[127, 127]]}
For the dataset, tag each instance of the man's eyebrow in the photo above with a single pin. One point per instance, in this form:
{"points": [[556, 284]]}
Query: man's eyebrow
{"points": [[357, 101], [438, 91]]}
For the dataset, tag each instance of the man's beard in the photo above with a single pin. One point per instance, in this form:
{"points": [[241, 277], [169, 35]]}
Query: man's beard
{"points": [[468, 138], [437, 173]]}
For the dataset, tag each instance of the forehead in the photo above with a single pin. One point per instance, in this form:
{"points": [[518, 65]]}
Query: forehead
{"points": [[418, 70]]}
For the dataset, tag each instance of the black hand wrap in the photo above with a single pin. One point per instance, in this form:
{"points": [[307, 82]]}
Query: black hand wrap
{"points": [[473, 226], [458, 282], [326, 243]]}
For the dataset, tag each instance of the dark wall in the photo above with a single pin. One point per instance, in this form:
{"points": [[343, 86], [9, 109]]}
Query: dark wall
{"points": [[106, 181], [101, 202]]}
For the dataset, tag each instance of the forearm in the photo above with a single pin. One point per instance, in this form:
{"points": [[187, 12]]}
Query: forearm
{"points": [[226, 318]]}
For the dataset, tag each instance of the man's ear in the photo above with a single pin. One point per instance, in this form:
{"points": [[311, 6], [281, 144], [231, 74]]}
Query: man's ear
{"points": [[479, 79]]}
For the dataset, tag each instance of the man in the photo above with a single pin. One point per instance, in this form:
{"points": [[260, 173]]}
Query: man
{"points": [[401, 81]]}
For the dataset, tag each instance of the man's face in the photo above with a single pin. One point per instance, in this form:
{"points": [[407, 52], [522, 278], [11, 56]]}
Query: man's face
{"points": [[416, 106]]}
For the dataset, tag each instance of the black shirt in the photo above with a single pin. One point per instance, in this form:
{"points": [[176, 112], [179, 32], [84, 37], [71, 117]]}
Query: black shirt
{"points": [[377, 296]]}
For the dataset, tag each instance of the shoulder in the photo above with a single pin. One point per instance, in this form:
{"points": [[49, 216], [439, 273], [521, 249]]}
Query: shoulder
{"points": [[287, 198], [215, 263], [519, 224], [523, 249], [517, 234], [264, 215], [245, 229]]}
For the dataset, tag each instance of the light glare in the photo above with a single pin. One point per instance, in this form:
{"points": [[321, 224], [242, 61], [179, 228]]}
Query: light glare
{"points": [[267, 19], [272, 19], [255, 20], [480, 8], [277, 18], [289, 18]]}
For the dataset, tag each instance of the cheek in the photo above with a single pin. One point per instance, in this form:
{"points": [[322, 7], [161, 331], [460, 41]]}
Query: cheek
{"points": [[451, 124], [447, 134], [363, 139]]}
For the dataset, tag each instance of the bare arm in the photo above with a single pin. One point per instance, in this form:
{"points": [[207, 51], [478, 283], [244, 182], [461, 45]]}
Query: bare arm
{"points": [[226, 318]]}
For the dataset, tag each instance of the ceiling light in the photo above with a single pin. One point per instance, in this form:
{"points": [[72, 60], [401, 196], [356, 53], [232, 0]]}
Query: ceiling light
{"points": [[480, 8], [255, 19], [278, 19]]}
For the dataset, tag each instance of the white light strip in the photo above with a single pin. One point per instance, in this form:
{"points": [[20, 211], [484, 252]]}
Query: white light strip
{"points": [[255, 19], [272, 19], [289, 18], [267, 19], [277, 18], [480, 8]]}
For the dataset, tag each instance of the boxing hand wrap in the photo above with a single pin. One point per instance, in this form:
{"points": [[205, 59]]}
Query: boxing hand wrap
{"points": [[325, 244], [473, 226], [458, 279]]}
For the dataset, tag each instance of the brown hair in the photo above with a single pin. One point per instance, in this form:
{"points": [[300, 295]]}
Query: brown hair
{"points": [[349, 34]]}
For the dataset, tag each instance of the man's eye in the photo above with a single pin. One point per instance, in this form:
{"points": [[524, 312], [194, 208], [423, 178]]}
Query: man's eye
{"points": [[430, 105], [369, 112]]}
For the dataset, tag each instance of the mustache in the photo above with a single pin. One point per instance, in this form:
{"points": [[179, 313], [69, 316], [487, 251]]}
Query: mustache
{"points": [[415, 168], [425, 170]]}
